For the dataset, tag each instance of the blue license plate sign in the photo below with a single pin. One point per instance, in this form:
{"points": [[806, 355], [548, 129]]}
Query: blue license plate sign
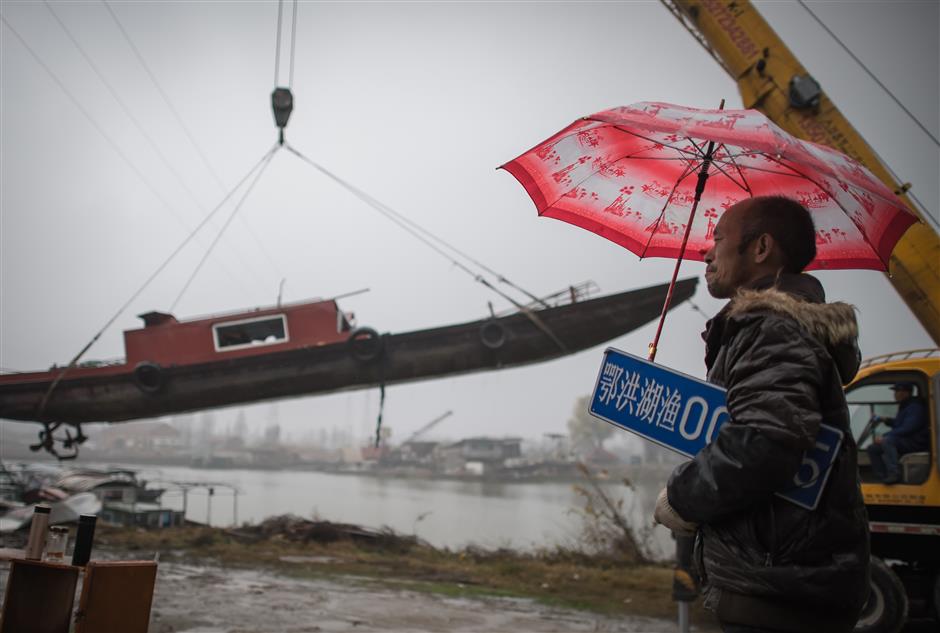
{"points": [[684, 414]]}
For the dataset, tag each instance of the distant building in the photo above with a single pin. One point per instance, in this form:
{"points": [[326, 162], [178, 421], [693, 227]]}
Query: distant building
{"points": [[414, 454], [487, 449], [478, 455], [418, 452], [154, 437]]}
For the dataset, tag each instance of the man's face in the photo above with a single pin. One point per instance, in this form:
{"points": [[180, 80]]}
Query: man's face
{"points": [[726, 269], [900, 395]]}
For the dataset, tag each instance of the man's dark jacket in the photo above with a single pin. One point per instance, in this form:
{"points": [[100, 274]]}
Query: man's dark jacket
{"points": [[909, 429], [783, 354]]}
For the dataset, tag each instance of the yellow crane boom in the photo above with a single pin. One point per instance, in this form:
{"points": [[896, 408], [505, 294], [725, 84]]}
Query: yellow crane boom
{"points": [[772, 80]]}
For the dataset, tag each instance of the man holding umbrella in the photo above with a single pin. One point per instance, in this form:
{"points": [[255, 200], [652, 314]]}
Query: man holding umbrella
{"points": [[783, 354], [637, 175]]}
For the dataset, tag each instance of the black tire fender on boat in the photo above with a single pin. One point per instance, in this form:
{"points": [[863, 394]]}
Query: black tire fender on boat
{"points": [[493, 334], [149, 377], [365, 344]]}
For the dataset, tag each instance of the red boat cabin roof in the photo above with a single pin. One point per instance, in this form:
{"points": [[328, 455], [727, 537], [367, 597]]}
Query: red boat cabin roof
{"points": [[166, 341]]}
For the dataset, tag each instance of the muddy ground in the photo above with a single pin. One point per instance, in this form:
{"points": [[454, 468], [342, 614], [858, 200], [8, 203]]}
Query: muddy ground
{"points": [[298, 576], [200, 599]]}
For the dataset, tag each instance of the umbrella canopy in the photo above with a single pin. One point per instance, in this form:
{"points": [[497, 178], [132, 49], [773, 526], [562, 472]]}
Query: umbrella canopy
{"points": [[630, 173]]}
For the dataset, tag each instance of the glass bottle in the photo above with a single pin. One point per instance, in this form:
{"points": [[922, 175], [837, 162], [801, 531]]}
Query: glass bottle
{"points": [[55, 545]]}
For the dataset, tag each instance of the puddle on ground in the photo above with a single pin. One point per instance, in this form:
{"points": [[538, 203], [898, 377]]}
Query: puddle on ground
{"points": [[308, 559]]}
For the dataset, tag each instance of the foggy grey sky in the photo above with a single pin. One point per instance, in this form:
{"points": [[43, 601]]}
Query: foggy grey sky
{"points": [[416, 103]]}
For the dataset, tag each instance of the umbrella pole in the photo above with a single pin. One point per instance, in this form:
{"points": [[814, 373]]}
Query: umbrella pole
{"points": [[675, 275], [699, 189]]}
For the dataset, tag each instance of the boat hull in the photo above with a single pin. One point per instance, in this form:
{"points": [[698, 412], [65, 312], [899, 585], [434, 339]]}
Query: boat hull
{"points": [[488, 344]]}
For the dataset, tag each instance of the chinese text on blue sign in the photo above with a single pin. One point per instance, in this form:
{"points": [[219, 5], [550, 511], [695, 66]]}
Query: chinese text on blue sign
{"points": [[684, 414]]}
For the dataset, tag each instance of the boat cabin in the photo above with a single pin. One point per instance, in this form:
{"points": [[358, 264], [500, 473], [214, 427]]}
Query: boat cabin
{"points": [[166, 341]]}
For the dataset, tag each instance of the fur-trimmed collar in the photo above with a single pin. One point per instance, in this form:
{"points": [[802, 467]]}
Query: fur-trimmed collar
{"points": [[830, 323], [801, 298]]}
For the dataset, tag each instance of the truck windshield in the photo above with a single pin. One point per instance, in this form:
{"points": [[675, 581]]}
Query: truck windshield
{"points": [[867, 401]]}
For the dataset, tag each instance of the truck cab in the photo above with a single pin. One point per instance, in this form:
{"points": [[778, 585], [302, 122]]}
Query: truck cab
{"points": [[904, 517]]}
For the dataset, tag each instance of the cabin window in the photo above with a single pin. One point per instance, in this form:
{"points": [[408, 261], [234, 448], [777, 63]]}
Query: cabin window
{"points": [[250, 333], [874, 397]]}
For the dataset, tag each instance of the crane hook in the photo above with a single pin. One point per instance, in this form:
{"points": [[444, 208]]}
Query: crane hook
{"points": [[282, 101]]}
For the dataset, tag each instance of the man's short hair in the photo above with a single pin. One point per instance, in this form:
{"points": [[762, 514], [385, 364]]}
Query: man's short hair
{"points": [[789, 223]]}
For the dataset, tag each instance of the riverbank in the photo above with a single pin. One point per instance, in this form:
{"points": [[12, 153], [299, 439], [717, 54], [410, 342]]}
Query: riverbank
{"points": [[284, 582], [454, 514]]}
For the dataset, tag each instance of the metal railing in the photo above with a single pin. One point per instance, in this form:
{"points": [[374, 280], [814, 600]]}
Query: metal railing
{"points": [[896, 356]]}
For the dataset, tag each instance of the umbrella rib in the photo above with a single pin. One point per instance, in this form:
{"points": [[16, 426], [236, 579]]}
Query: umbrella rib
{"points": [[701, 152], [605, 165], [688, 160], [836, 200], [651, 140], [734, 163], [662, 213], [769, 157], [715, 163], [717, 166], [731, 157], [794, 173]]}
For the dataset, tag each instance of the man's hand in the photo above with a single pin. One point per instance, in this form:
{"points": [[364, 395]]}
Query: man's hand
{"points": [[665, 515]]}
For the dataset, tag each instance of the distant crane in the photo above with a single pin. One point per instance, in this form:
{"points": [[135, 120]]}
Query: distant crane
{"points": [[427, 427]]}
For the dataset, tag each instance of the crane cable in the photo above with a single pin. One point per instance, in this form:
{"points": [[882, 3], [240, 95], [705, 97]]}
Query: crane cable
{"points": [[137, 124], [277, 46], [421, 233], [45, 400], [415, 230], [407, 224], [186, 132], [870, 74], [266, 161], [94, 123]]}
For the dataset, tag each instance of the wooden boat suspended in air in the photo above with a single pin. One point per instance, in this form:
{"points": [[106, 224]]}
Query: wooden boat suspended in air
{"points": [[308, 348]]}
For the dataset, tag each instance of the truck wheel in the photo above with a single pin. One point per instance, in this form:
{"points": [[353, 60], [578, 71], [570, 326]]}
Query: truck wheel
{"points": [[935, 597], [886, 608]]}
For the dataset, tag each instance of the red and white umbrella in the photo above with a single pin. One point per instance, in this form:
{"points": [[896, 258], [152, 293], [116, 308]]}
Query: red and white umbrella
{"points": [[655, 178]]}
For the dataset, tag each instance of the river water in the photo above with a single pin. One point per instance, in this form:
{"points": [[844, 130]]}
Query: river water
{"points": [[446, 513]]}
